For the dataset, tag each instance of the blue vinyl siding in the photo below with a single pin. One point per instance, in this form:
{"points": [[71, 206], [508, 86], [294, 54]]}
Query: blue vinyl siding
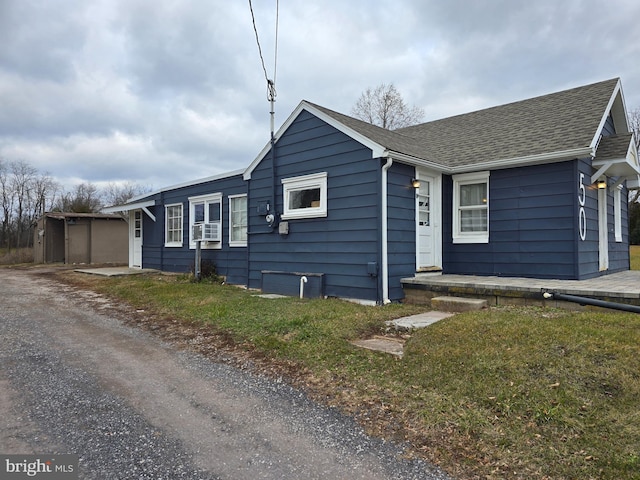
{"points": [[340, 245], [534, 226], [531, 217], [230, 262], [587, 259], [608, 129], [401, 221]]}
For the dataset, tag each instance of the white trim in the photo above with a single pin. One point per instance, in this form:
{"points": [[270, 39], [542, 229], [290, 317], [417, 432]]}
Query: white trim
{"points": [[305, 182], [458, 235], [537, 159], [603, 231], [149, 214], [237, 243], [596, 137], [129, 206], [385, 240], [166, 220], [377, 149], [617, 213]]}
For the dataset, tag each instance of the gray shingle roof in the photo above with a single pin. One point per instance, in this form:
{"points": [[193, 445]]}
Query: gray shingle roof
{"points": [[614, 148], [542, 125]]}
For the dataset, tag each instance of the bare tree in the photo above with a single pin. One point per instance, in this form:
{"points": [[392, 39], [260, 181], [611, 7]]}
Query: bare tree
{"points": [[6, 202], [23, 177], [634, 124], [383, 106], [117, 194], [84, 198]]}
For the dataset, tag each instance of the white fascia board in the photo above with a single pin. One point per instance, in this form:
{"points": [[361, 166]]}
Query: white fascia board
{"points": [[189, 184], [596, 137], [624, 166], [614, 168], [416, 161], [129, 206], [378, 150], [538, 159]]}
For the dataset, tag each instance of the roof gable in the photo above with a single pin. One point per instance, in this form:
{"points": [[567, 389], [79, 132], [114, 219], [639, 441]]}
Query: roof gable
{"points": [[338, 121]]}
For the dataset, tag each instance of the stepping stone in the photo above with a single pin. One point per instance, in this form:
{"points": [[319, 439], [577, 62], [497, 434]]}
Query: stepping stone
{"points": [[394, 346], [420, 320]]}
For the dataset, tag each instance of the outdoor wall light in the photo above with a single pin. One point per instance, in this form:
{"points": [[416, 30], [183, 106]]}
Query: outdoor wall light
{"points": [[415, 183], [602, 184]]}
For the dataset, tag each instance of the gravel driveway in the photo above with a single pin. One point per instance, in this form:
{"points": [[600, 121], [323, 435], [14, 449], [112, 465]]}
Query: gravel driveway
{"points": [[77, 380]]}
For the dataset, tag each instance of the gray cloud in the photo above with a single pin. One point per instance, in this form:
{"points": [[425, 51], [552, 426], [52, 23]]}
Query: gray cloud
{"points": [[160, 92]]}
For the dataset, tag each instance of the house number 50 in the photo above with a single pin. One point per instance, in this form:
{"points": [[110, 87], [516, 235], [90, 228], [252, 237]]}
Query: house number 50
{"points": [[582, 216]]}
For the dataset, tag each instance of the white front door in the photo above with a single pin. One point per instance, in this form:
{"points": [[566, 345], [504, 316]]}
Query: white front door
{"points": [[428, 220], [135, 229]]}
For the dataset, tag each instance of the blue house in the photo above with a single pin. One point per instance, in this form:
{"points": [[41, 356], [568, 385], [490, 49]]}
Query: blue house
{"points": [[536, 188]]}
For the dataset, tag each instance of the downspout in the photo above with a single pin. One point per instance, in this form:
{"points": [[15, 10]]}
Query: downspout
{"points": [[385, 246]]}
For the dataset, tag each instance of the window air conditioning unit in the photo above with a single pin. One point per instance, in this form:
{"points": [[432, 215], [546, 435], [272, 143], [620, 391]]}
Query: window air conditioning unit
{"points": [[207, 232]]}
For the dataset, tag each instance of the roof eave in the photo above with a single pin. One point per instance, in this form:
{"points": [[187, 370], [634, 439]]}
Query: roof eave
{"points": [[129, 206], [537, 159]]}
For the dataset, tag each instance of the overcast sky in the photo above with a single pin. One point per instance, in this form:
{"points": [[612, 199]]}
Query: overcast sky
{"points": [[159, 92]]}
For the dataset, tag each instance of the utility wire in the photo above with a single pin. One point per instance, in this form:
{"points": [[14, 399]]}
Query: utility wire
{"points": [[271, 84], [275, 56]]}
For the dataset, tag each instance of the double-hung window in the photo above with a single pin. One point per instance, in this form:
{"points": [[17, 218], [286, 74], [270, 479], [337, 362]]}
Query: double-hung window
{"points": [[205, 212], [238, 221], [471, 208], [305, 196], [173, 225]]}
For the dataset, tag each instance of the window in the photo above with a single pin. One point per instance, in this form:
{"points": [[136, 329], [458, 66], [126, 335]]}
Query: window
{"points": [[305, 197], [238, 221], [471, 208], [206, 209], [173, 225]]}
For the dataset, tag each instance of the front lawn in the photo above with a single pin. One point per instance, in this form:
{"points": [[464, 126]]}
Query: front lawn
{"points": [[502, 393]]}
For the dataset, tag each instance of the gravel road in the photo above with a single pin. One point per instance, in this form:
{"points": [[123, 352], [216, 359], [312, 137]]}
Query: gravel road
{"points": [[76, 379]]}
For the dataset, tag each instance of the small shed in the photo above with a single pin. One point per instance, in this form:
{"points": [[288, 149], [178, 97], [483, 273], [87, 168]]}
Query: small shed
{"points": [[81, 238]]}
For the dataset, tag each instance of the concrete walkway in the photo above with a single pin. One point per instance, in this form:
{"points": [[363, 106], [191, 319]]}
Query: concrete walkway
{"points": [[114, 271]]}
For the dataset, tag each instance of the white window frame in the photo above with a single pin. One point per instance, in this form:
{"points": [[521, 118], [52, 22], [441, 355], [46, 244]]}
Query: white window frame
{"points": [[617, 213], [167, 243], [206, 200], [234, 242], [458, 181], [305, 182]]}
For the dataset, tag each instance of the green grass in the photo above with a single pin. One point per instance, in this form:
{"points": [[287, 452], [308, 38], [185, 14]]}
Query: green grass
{"points": [[502, 393], [634, 253]]}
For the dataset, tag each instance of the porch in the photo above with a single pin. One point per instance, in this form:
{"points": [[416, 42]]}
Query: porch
{"points": [[621, 287]]}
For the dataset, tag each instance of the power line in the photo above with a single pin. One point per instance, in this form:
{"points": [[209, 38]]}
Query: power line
{"points": [[271, 87], [275, 55]]}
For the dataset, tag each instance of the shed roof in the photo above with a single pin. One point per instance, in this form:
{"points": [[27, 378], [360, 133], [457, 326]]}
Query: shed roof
{"points": [[64, 215]]}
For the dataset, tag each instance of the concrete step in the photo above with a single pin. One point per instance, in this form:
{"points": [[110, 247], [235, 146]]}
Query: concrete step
{"points": [[458, 304]]}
